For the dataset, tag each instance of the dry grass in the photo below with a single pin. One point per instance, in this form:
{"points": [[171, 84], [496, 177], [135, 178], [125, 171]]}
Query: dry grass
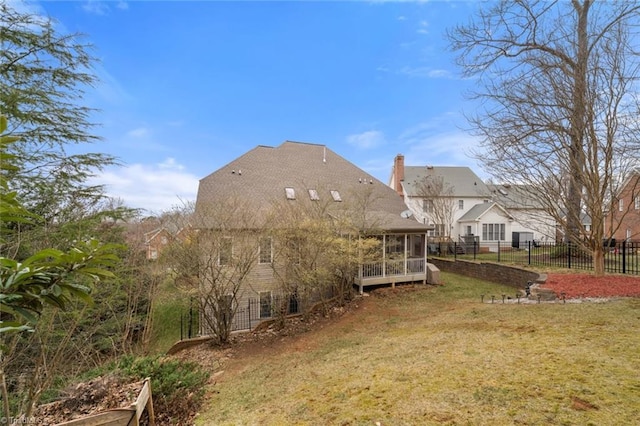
{"points": [[438, 356]]}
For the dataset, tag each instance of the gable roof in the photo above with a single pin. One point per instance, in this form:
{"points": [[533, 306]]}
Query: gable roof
{"points": [[260, 178], [462, 180], [515, 196], [476, 212]]}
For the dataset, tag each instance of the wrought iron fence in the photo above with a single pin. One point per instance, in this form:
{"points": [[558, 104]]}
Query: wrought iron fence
{"points": [[621, 257], [249, 313]]}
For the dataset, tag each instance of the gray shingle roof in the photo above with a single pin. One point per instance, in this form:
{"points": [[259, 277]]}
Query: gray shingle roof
{"points": [[462, 180], [476, 212], [261, 175], [515, 196]]}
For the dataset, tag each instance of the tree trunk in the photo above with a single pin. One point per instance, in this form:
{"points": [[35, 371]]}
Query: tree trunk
{"points": [[598, 260]]}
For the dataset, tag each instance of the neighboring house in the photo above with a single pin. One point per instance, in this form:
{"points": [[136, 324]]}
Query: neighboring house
{"points": [[462, 208], [155, 241], [530, 220], [299, 174], [623, 217]]}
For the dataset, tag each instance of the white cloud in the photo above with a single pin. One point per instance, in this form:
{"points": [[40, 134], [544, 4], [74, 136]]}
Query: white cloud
{"points": [[170, 164], [140, 132], [440, 142], [152, 187], [95, 7], [366, 140], [425, 72], [99, 7], [424, 28]]}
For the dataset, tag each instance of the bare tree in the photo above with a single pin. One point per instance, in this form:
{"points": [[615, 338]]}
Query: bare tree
{"points": [[214, 262], [556, 80], [440, 203], [321, 244]]}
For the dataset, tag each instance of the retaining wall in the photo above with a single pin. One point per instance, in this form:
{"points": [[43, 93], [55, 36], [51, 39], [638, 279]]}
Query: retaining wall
{"points": [[501, 274]]}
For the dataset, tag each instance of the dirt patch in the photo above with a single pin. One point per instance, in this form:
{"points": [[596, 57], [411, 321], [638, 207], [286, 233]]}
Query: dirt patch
{"points": [[87, 398]]}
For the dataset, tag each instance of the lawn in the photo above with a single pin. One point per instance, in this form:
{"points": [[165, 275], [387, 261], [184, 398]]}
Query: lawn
{"points": [[437, 355]]}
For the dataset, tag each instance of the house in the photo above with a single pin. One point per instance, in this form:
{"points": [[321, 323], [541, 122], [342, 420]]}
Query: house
{"points": [[268, 181], [623, 217], [462, 208], [531, 222], [155, 241]]}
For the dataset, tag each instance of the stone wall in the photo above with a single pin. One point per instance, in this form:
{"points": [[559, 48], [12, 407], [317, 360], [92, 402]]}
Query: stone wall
{"points": [[501, 274]]}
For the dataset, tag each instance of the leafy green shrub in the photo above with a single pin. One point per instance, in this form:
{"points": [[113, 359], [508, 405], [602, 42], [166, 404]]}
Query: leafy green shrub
{"points": [[177, 387]]}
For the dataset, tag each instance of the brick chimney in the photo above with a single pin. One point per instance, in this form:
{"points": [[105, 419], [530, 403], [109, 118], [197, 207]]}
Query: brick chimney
{"points": [[398, 173]]}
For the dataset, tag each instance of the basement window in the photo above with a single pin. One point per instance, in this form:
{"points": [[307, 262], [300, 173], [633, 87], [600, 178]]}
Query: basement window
{"points": [[336, 196], [291, 193]]}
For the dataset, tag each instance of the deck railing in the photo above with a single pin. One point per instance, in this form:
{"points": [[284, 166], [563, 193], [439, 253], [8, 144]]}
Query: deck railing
{"points": [[393, 268]]}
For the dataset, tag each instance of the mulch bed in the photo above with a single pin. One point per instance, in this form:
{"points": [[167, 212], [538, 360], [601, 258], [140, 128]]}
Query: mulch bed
{"points": [[587, 285]]}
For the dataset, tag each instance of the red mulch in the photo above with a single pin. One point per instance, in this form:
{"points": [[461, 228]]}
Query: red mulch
{"points": [[586, 285]]}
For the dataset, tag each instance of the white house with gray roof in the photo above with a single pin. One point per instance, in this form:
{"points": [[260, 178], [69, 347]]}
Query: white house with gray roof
{"points": [[459, 205]]}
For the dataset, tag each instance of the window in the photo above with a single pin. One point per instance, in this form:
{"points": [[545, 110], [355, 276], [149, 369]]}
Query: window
{"points": [[636, 203], [164, 240], [294, 248], [628, 234], [493, 231], [460, 204], [290, 193], [438, 231], [427, 206], [226, 251], [313, 194], [620, 205], [265, 250], [469, 230], [336, 196], [265, 304]]}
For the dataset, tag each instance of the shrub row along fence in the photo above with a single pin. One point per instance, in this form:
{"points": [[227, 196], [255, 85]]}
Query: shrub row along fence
{"points": [[622, 257]]}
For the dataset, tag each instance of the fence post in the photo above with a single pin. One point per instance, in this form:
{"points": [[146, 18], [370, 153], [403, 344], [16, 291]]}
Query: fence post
{"points": [[190, 317], [249, 310], [499, 254], [568, 255], [529, 251], [474, 249], [624, 256], [455, 250]]}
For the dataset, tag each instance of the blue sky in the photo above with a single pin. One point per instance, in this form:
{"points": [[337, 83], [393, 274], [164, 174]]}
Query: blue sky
{"points": [[187, 87]]}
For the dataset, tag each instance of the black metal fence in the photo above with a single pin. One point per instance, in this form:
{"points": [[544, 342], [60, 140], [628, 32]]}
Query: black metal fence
{"points": [[621, 257], [248, 313], [255, 310]]}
